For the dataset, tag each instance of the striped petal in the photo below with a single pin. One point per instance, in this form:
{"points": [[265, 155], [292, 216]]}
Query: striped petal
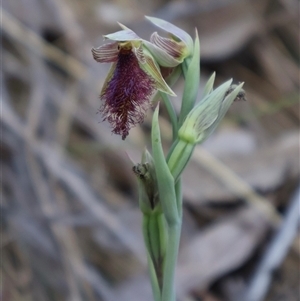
{"points": [[178, 50], [107, 53], [173, 30]]}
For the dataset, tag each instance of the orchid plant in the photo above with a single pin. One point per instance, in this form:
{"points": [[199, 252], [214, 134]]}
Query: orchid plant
{"points": [[141, 72]]}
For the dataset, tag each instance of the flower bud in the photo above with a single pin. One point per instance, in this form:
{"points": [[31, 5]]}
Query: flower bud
{"points": [[201, 122], [206, 116]]}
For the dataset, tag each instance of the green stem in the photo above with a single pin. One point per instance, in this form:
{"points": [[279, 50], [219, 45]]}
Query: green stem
{"points": [[176, 154], [168, 293], [174, 144], [178, 191], [179, 158], [174, 231], [185, 66]]}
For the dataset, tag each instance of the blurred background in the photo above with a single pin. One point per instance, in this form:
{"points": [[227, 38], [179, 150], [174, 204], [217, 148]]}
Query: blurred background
{"points": [[71, 227]]}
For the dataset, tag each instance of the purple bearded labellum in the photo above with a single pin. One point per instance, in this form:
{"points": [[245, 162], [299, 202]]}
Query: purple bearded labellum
{"points": [[126, 96], [131, 82]]}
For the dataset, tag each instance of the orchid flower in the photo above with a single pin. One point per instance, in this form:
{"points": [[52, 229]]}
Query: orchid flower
{"points": [[133, 79]]}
